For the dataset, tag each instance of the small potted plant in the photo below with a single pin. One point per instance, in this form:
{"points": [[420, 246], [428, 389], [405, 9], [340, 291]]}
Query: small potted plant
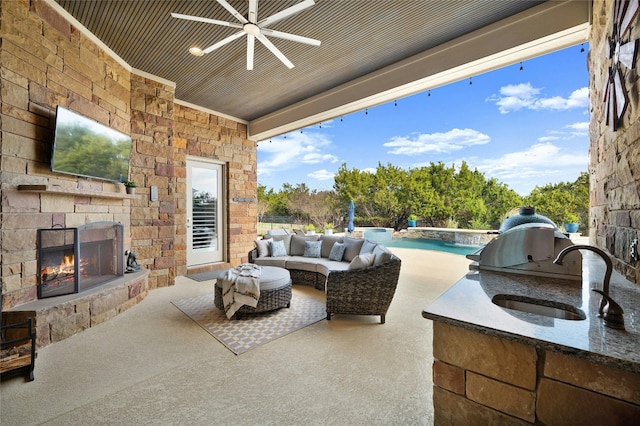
{"points": [[130, 186], [328, 228], [413, 220], [571, 224], [310, 229]]}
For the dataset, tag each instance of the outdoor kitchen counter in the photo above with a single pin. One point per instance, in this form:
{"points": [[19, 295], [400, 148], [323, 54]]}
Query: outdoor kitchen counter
{"points": [[467, 304]]}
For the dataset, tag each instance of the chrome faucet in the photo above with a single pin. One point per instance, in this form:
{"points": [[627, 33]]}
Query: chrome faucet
{"points": [[609, 310]]}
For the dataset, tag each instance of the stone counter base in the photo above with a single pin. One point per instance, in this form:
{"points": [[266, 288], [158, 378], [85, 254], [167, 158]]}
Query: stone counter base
{"points": [[482, 379], [57, 318]]}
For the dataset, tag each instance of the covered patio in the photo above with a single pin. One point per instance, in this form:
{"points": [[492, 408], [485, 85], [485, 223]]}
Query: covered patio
{"points": [[126, 65], [154, 365]]}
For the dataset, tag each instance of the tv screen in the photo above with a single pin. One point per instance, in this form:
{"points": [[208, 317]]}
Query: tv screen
{"points": [[84, 147]]}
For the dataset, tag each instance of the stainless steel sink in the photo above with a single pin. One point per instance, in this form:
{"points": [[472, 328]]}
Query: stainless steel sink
{"points": [[547, 308]]}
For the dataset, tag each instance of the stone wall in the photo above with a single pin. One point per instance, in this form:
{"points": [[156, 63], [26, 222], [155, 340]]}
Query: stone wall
{"points": [[45, 62], [155, 162], [482, 379], [204, 135], [614, 163]]}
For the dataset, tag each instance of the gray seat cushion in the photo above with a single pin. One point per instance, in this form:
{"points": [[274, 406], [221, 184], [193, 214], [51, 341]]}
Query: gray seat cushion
{"points": [[352, 248], [271, 278], [280, 262], [302, 263], [298, 244], [327, 243], [324, 266]]}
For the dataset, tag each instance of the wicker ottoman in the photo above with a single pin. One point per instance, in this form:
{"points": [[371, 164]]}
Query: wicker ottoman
{"points": [[275, 292]]}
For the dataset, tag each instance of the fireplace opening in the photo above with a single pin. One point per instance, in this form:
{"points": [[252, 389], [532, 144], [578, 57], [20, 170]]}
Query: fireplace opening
{"points": [[71, 260]]}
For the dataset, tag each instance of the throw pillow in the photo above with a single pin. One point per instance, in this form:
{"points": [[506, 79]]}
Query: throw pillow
{"points": [[297, 243], [352, 248], [382, 255], [367, 247], [327, 243], [263, 248], [337, 251], [362, 261], [312, 248], [285, 238], [277, 248]]}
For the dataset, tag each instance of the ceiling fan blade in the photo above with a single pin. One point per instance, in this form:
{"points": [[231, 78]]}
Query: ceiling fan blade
{"points": [[251, 41], [223, 42], [205, 20], [612, 119], [274, 50], [286, 13], [233, 11], [253, 11], [292, 37], [629, 14], [619, 95], [627, 53]]}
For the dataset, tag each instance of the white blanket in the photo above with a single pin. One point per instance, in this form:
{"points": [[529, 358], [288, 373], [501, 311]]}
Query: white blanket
{"points": [[241, 286]]}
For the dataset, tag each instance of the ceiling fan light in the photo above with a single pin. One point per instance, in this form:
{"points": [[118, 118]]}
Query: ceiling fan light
{"points": [[196, 51], [251, 29]]}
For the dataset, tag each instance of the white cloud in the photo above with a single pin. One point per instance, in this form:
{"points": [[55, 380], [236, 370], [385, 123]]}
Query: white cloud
{"points": [[548, 138], [582, 126], [371, 170], [542, 162], [576, 130], [525, 96], [453, 140], [322, 174], [293, 151]]}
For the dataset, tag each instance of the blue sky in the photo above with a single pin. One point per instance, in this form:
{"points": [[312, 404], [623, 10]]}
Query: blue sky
{"points": [[524, 127]]}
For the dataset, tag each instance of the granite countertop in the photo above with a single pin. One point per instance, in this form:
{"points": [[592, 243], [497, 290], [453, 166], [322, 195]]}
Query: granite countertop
{"points": [[468, 304]]}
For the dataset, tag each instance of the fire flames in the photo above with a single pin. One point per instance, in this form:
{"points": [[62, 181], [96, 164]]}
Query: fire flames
{"points": [[65, 268]]}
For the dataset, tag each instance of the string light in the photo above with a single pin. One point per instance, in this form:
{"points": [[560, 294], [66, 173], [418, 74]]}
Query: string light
{"points": [[470, 81], [582, 48], [521, 67], [366, 111], [395, 103], [429, 93], [341, 119]]}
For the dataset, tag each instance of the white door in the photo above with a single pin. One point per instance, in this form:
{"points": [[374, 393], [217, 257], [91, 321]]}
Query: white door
{"points": [[205, 212]]}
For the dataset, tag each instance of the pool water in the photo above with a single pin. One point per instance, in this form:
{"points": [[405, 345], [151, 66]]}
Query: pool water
{"points": [[423, 244]]}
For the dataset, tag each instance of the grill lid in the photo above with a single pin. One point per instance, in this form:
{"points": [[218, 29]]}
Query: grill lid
{"points": [[527, 215]]}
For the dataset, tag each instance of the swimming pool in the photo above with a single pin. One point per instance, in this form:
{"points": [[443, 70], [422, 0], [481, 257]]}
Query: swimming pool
{"points": [[438, 245]]}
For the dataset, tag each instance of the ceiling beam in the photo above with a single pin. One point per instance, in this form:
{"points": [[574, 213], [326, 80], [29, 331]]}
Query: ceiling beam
{"points": [[537, 31]]}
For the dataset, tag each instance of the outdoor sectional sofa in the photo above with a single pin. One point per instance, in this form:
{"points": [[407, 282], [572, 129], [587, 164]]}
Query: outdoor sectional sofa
{"points": [[361, 280]]}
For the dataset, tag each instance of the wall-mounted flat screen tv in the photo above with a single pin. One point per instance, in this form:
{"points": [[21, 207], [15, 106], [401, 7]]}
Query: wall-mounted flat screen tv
{"points": [[84, 147]]}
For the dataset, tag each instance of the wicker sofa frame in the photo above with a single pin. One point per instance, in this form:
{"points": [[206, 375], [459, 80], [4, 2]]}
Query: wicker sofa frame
{"points": [[269, 300], [367, 291]]}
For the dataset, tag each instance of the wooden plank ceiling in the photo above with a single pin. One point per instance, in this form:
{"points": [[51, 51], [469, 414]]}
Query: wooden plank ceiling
{"points": [[358, 37]]}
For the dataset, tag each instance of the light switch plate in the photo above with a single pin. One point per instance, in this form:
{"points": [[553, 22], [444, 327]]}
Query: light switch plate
{"points": [[154, 193]]}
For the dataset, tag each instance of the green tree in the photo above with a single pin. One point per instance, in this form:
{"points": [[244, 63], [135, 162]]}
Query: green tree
{"points": [[556, 201], [499, 199], [81, 151], [437, 194]]}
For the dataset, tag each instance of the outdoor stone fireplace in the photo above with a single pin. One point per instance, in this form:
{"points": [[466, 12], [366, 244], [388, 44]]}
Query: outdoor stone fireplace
{"points": [[71, 260], [80, 279]]}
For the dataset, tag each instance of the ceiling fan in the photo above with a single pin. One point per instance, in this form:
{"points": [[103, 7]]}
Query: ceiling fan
{"points": [[253, 29]]}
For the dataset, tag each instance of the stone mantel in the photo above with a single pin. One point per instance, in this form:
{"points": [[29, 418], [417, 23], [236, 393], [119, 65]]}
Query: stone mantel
{"points": [[61, 190]]}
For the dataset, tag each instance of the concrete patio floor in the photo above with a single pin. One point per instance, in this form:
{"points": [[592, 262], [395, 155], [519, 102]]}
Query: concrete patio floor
{"points": [[154, 365]]}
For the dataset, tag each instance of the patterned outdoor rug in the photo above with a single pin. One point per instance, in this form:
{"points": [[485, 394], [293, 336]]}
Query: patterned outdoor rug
{"points": [[251, 330], [204, 276]]}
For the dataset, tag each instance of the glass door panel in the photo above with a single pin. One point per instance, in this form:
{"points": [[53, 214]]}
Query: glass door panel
{"points": [[205, 224]]}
